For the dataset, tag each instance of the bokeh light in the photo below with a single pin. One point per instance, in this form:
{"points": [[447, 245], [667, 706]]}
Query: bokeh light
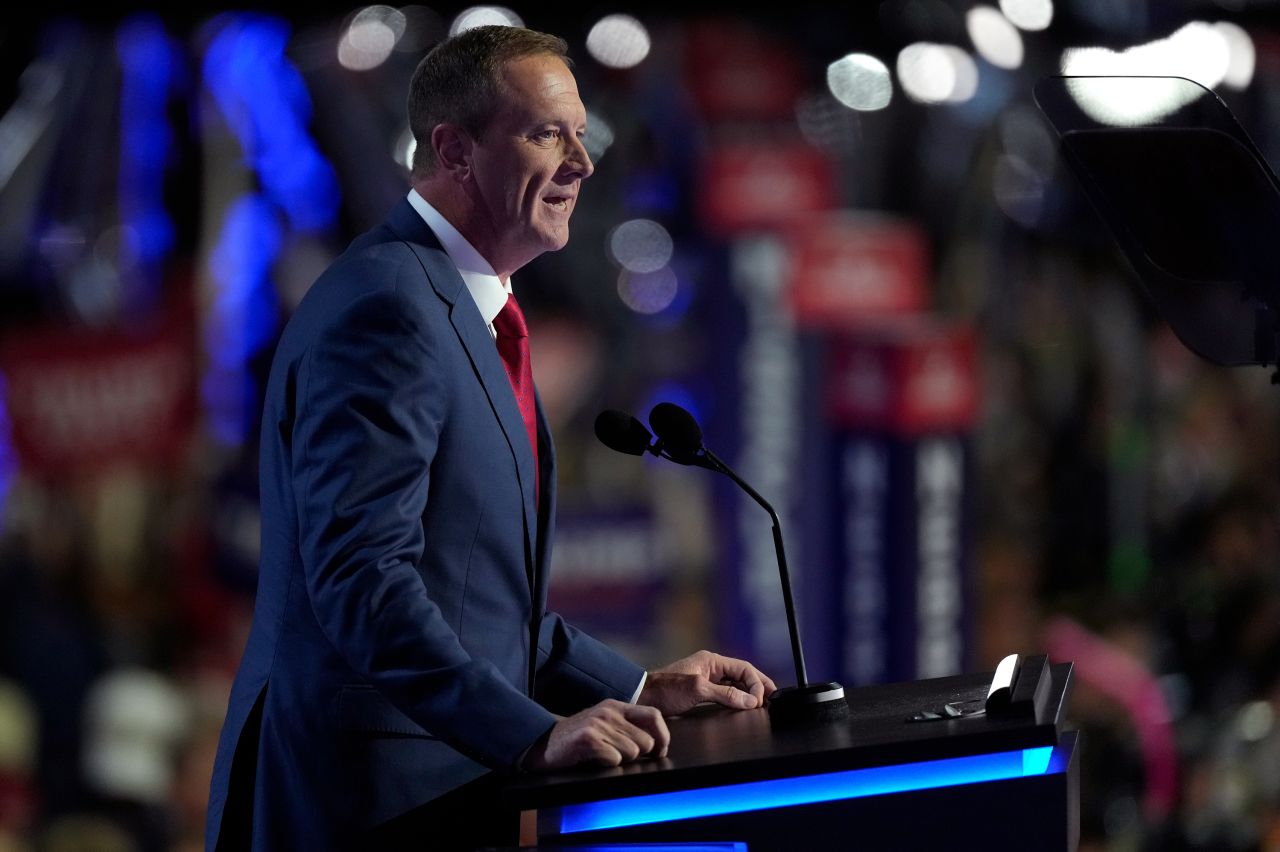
{"points": [[966, 74], [828, 123], [860, 81], [599, 136], [1018, 190], [995, 39], [1024, 132], [1028, 14], [937, 73], [1256, 720], [370, 37], [640, 245], [648, 292], [1241, 55], [406, 146], [618, 41], [422, 28], [482, 16], [1197, 51]]}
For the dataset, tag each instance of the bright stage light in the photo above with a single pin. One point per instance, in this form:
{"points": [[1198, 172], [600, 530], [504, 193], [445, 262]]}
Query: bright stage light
{"points": [[937, 73], [860, 81], [995, 39], [480, 16], [1197, 51], [618, 41], [1028, 14], [370, 38]]}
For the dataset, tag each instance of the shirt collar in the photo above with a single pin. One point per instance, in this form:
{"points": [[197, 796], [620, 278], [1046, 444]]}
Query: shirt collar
{"points": [[487, 290]]}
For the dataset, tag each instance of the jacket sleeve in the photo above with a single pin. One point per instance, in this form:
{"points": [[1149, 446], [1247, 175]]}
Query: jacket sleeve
{"points": [[370, 403], [575, 670]]}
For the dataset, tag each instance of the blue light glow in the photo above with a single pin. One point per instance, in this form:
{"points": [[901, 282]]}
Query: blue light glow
{"points": [[678, 394], [147, 58], [265, 103], [673, 314], [242, 317], [1035, 761], [805, 790]]}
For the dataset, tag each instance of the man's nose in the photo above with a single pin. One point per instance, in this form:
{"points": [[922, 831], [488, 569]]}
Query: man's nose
{"points": [[578, 161]]}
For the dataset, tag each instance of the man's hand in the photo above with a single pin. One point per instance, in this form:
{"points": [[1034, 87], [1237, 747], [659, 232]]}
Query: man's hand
{"points": [[610, 733], [703, 677]]}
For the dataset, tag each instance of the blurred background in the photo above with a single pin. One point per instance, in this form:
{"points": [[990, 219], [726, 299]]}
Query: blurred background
{"points": [[842, 236]]}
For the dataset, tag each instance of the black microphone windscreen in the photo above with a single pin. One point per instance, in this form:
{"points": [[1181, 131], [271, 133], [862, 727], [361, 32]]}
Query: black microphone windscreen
{"points": [[620, 431], [679, 432]]}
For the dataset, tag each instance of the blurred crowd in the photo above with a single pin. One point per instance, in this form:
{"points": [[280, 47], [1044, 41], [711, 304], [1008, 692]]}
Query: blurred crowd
{"points": [[1126, 502]]}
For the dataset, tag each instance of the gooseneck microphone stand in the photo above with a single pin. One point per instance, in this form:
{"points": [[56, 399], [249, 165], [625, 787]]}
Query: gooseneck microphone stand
{"points": [[680, 440]]}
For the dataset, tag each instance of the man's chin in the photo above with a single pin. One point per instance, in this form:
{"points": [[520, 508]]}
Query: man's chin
{"points": [[555, 240]]}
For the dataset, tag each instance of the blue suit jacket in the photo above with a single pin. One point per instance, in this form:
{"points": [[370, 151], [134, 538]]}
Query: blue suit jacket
{"points": [[404, 563]]}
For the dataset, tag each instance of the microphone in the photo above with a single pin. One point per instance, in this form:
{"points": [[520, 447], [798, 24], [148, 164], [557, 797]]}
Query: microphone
{"points": [[620, 431], [680, 440], [676, 427]]}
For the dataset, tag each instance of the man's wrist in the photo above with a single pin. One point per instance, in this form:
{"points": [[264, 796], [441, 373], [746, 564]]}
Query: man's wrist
{"points": [[523, 763]]}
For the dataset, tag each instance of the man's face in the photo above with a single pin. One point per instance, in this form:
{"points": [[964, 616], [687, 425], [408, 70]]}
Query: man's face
{"points": [[529, 163]]}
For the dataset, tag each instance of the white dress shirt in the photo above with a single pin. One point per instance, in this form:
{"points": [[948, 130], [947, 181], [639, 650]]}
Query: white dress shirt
{"points": [[487, 290]]}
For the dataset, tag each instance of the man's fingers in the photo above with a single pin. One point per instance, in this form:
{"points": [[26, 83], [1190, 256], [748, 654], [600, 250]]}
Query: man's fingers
{"points": [[650, 721], [631, 740], [619, 742], [743, 674], [610, 733], [599, 751], [731, 696], [629, 730]]}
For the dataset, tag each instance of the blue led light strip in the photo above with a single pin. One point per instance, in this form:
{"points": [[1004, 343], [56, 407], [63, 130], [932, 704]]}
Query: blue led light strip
{"points": [[804, 790]]}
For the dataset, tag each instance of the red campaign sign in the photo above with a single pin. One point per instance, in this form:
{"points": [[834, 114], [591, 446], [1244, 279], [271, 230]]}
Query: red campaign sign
{"points": [[735, 73], [907, 377], [849, 267], [751, 187], [78, 400]]}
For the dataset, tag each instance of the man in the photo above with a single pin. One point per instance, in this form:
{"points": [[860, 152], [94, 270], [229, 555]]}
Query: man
{"points": [[400, 649]]}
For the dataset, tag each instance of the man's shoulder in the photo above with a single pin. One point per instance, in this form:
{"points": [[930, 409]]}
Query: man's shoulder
{"points": [[385, 254], [379, 274], [378, 248]]}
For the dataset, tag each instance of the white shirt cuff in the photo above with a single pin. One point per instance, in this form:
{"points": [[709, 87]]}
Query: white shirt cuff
{"points": [[644, 676]]}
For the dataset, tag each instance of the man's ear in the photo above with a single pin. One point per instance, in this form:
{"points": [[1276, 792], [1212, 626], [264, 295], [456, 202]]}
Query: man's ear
{"points": [[452, 147]]}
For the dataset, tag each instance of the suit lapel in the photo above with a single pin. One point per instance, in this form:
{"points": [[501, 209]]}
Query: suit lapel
{"points": [[474, 336], [547, 511]]}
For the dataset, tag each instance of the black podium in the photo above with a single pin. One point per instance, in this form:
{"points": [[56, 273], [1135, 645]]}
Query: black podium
{"points": [[878, 780]]}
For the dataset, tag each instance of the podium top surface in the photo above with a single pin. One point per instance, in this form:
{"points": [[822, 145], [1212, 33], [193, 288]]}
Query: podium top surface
{"points": [[713, 746]]}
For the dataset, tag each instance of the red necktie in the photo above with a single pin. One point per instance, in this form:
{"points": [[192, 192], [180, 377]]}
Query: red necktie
{"points": [[513, 346]]}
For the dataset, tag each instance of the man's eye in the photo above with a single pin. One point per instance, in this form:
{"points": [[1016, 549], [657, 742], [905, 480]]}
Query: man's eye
{"points": [[547, 135]]}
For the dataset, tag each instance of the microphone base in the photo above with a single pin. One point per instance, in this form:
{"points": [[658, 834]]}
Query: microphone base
{"points": [[808, 704]]}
